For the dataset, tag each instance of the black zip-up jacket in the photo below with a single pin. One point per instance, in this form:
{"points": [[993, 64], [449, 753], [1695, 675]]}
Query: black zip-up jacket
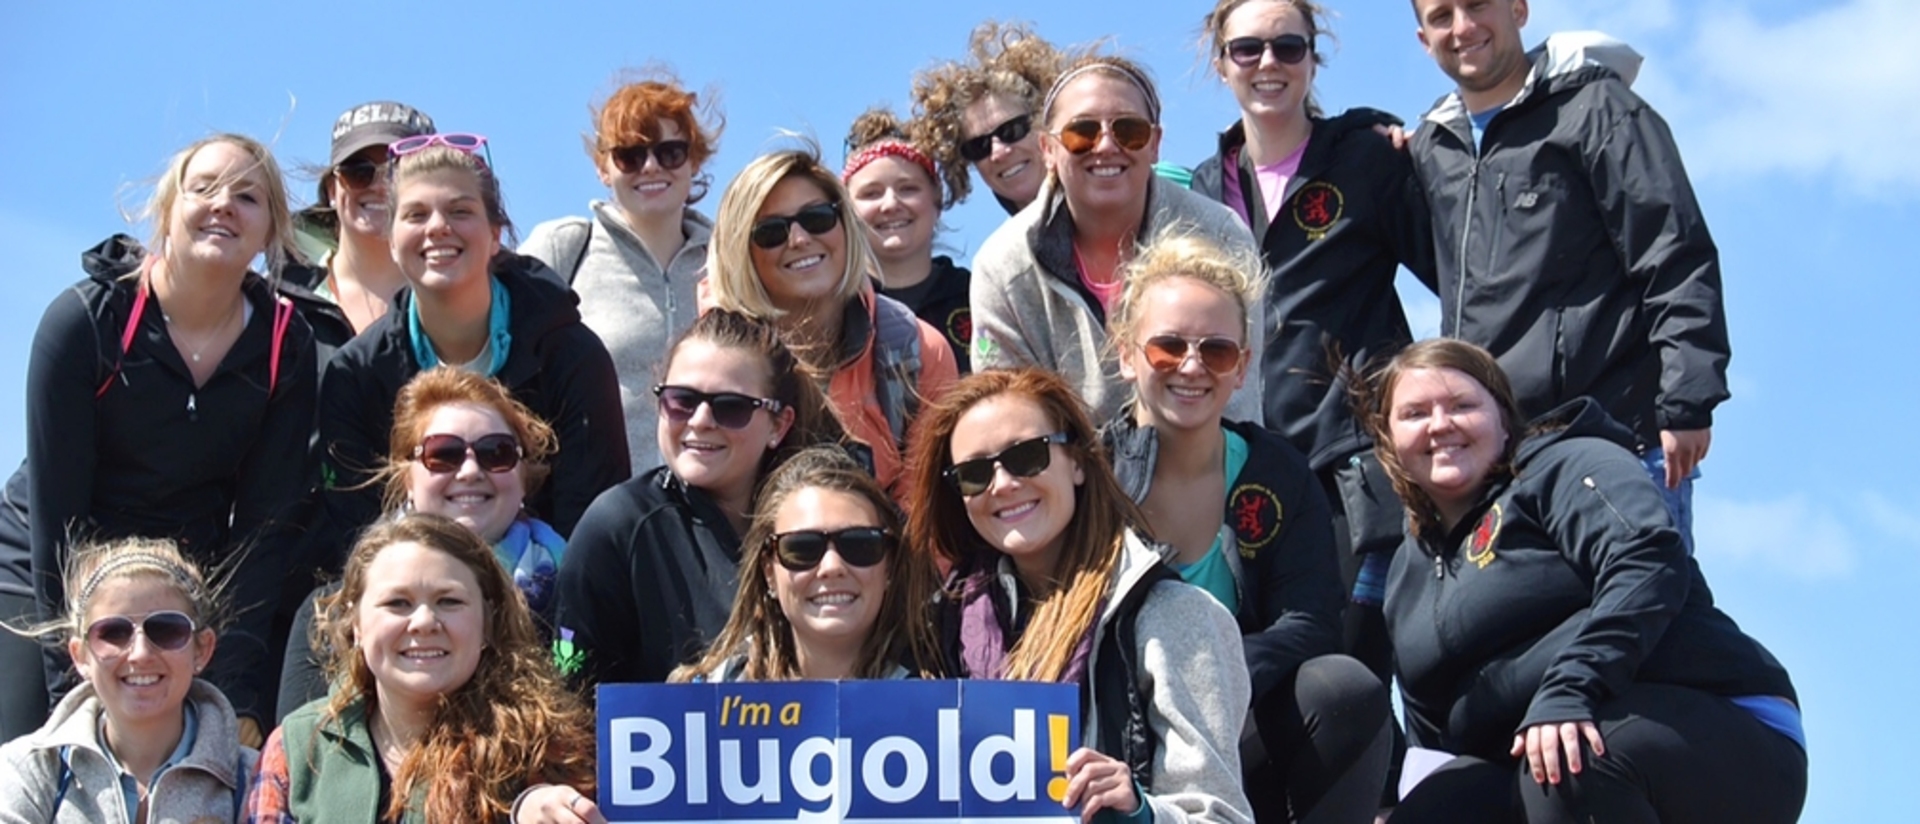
{"points": [[214, 467], [1570, 245], [1563, 586], [1352, 215], [556, 366], [1286, 569], [648, 580], [947, 307], [331, 329]]}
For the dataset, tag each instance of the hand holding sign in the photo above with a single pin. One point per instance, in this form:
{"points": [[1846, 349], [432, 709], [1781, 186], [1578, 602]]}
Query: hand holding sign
{"points": [[1097, 782], [556, 804]]}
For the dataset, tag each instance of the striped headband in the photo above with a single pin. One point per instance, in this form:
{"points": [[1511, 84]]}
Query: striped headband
{"points": [[1133, 76], [888, 147], [172, 568]]}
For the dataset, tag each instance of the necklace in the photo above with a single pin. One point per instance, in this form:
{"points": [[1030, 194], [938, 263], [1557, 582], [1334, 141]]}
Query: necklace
{"points": [[196, 351]]}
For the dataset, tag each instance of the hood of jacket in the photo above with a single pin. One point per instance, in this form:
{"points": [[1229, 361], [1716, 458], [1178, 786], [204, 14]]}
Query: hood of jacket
{"points": [[1564, 61], [113, 258], [1578, 418]]}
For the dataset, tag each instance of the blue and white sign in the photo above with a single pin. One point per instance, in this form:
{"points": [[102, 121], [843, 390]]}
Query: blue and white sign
{"points": [[822, 751]]}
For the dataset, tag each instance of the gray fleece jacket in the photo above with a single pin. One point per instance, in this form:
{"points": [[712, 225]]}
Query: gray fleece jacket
{"points": [[627, 299], [1030, 309], [1193, 673], [201, 788]]}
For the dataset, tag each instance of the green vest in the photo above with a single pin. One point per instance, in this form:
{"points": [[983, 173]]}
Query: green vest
{"points": [[332, 775]]}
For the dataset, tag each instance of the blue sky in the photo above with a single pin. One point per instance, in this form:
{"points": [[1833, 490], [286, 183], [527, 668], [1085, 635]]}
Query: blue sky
{"points": [[1794, 118]]}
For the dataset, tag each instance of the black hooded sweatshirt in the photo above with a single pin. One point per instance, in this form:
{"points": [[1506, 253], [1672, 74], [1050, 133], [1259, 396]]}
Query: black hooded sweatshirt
{"points": [[1565, 584], [555, 365]]}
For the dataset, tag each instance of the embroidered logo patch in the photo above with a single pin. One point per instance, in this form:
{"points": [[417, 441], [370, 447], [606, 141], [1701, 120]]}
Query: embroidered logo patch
{"points": [[1255, 516], [1480, 543], [1316, 207], [960, 328]]}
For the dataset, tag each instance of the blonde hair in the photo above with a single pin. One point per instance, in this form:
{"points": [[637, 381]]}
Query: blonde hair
{"points": [[159, 209], [735, 282], [91, 565], [1180, 252]]}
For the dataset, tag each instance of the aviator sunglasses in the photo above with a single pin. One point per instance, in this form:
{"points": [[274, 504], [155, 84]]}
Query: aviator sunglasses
{"points": [[669, 154], [1081, 135], [818, 219], [801, 550], [976, 149], [1167, 353], [1287, 48], [441, 454], [111, 636], [731, 410], [1021, 460]]}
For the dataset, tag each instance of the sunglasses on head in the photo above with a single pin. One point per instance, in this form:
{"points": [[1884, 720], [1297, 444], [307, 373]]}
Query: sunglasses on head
{"points": [[1021, 460], [731, 410], [669, 154], [1014, 130], [1287, 48], [359, 172], [472, 144], [1079, 136], [447, 453], [113, 635], [1167, 353], [818, 219], [861, 546]]}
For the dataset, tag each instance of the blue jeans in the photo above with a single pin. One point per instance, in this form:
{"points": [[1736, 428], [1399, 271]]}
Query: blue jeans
{"points": [[1679, 501]]}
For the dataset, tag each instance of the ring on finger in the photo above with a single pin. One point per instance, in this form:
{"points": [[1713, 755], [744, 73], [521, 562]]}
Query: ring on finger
{"points": [[573, 804]]}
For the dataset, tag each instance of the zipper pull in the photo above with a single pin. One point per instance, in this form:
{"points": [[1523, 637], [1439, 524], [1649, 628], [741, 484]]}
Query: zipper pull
{"points": [[1439, 568], [193, 410]]}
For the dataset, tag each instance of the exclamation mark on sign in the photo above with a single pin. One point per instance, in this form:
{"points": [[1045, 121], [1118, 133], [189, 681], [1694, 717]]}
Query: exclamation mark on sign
{"points": [[1057, 739]]}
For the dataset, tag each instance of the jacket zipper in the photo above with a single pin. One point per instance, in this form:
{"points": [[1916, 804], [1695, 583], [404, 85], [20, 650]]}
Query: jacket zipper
{"points": [[1587, 481], [1466, 233]]}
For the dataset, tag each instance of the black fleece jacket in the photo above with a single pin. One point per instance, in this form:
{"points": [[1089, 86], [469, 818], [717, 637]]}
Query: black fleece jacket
{"points": [[556, 366], [648, 580], [1564, 585], [1352, 215], [1571, 247], [214, 467], [1288, 575]]}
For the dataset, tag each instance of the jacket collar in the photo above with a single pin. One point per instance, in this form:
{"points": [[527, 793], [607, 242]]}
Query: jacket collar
{"points": [[74, 724]]}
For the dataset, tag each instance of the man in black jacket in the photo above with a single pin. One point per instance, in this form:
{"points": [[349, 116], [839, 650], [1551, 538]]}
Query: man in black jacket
{"points": [[1567, 237]]}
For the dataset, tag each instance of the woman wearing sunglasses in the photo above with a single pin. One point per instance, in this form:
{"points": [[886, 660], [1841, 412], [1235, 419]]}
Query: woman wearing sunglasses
{"points": [[142, 738], [461, 448], [1051, 582], [356, 277], [788, 249], [829, 591], [1552, 630], [446, 706], [649, 576], [636, 261], [474, 305], [1247, 522], [1332, 206], [981, 114], [897, 195], [171, 393], [1045, 280]]}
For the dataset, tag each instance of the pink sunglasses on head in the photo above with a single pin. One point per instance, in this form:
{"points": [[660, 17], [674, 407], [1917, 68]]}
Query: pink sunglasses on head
{"points": [[472, 144]]}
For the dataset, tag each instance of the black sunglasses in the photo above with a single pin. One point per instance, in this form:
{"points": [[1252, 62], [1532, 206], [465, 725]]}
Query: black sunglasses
{"points": [[1287, 48], [818, 219], [670, 154], [1022, 460], [861, 546], [359, 173], [441, 454], [731, 410], [113, 635], [976, 149]]}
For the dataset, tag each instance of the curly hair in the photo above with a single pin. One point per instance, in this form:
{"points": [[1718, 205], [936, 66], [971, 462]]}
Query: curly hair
{"points": [[1091, 545], [513, 724], [632, 115], [1008, 60], [902, 631], [413, 408], [1372, 401]]}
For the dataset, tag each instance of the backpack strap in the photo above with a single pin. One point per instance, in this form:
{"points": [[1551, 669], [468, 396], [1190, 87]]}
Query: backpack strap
{"points": [[66, 782], [132, 328], [282, 317], [896, 364], [572, 237]]}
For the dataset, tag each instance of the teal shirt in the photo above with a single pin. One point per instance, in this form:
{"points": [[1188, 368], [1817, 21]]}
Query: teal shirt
{"points": [[1211, 572]]}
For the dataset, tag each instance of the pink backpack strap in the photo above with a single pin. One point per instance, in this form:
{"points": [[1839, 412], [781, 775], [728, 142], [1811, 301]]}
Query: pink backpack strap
{"points": [[282, 316], [133, 327]]}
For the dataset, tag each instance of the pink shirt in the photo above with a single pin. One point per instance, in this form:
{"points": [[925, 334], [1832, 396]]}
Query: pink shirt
{"points": [[1272, 178]]}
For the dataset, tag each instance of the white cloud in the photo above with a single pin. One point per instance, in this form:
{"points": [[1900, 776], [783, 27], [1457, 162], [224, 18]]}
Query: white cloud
{"points": [[1896, 522], [1831, 91], [1789, 536]]}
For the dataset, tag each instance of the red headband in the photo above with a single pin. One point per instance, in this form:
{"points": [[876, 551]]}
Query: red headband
{"points": [[889, 148]]}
